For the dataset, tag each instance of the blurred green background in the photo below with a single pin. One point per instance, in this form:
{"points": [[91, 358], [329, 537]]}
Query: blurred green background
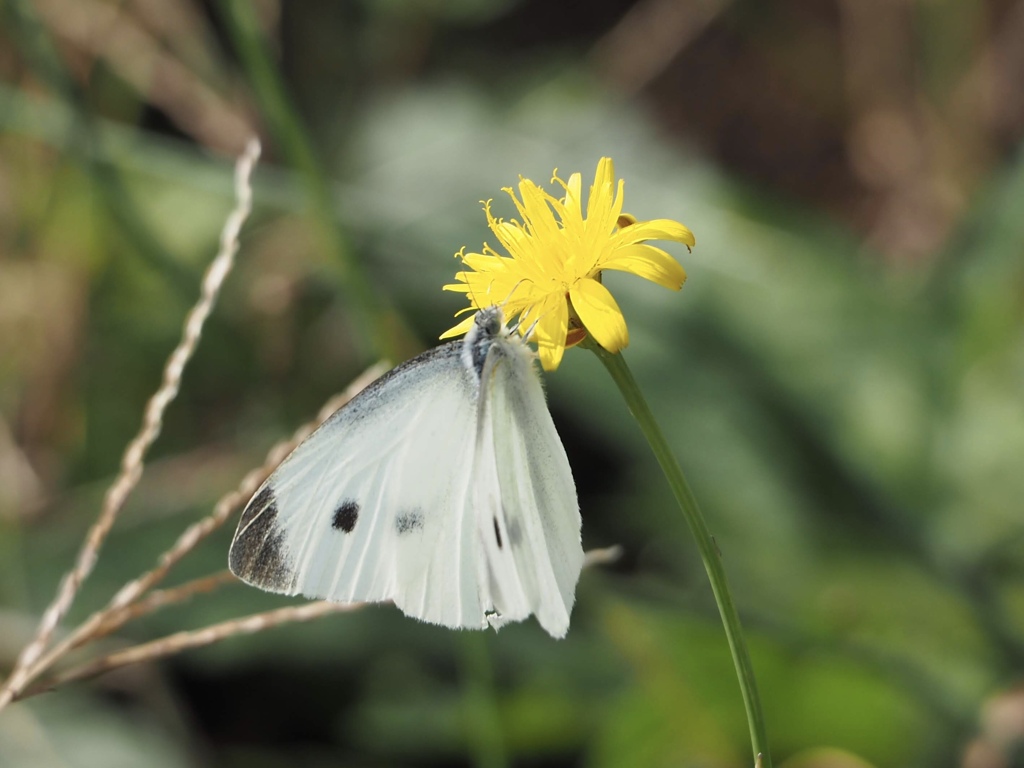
{"points": [[841, 377]]}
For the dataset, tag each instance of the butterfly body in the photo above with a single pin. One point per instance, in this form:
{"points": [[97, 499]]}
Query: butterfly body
{"points": [[442, 486]]}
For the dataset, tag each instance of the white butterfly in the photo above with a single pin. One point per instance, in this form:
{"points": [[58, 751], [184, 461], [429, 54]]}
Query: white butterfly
{"points": [[442, 486]]}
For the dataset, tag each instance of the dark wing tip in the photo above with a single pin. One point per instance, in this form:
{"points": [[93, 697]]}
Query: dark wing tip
{"points": [[257, 554]]}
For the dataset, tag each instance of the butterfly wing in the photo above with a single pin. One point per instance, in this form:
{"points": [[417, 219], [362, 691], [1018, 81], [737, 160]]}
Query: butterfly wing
{"points": [[375, 504], [528, 518], [443, 487]]}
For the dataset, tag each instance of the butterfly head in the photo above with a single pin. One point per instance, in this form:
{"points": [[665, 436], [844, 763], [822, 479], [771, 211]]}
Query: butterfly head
{"points": [[488, 322], [488, 325]]}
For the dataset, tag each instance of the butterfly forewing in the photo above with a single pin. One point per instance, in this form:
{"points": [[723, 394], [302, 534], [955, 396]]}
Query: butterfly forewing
{"points": [[372, 506]]}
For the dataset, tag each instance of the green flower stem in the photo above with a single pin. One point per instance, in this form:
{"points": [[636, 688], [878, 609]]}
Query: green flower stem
{"points": [[484, 734], [620, 372]]}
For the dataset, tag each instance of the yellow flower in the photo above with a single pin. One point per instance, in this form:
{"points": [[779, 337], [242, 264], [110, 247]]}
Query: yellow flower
{"points": [[552, 277]]}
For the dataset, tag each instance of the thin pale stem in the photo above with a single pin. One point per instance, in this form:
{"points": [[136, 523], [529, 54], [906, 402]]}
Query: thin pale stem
{"points": [[623, 377], [481, 710], [134, 457], [183, 641], [118, 610], [117, 618]]}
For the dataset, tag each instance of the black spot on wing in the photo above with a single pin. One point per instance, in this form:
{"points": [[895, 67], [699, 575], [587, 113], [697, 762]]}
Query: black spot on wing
{"points": [[497, 531], [407, 522], [257, 553], [515, 531], [345, 516]]}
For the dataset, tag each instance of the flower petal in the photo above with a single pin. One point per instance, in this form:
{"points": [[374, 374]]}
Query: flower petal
{"points": [[534, 207], [489, 287], [509, 234], [600, 314], [481, 262], [655, 229], [647, 262], [552, 316], [459, 329], [574, 197], [604, 177]]}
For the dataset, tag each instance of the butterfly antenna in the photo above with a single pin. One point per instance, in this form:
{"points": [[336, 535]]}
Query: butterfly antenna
{"points": [[533, 325], [529, 331], [507, 299], [519, 320]]}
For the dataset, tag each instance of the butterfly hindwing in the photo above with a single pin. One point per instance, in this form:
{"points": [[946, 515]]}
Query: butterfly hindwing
{"points": [[532, 534]]}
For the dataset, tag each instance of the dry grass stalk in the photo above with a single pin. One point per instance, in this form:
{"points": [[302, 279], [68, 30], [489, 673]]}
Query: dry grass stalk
{"points": [[132, 462], [603, 556], [183, 641], [128, 604], [114, 619], [196, 532]]}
